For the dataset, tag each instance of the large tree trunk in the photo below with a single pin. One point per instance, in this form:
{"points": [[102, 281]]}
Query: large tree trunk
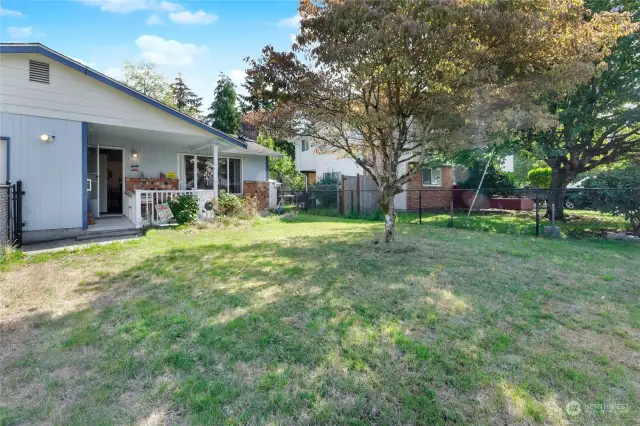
{"points": [[385, 201], [560, 178]]}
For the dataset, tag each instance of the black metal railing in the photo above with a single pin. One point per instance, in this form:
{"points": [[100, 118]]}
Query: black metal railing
{"points": [[11, 222]]}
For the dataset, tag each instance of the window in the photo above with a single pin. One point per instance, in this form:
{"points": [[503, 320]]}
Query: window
{"points": [[38, 72], [305, 145], [198, 173], [431, 177], [235, 176]]}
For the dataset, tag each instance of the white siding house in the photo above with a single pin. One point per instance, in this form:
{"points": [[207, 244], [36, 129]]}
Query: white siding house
{"points": [[315, 165], [76, 137]]}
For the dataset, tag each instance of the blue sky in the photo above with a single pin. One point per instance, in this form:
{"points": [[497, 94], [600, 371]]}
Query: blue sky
{"points": [[200, 39]]}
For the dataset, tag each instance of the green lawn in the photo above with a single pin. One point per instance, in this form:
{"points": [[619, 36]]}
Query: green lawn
{"points": [[577, 223], [309, 321]]}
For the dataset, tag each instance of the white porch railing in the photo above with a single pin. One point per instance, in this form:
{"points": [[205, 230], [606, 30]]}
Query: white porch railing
{"points": [[146, 200], [130, 207]]}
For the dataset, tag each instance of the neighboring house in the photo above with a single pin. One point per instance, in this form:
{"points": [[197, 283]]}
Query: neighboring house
{"points": [[433, 182], [82, 142]]}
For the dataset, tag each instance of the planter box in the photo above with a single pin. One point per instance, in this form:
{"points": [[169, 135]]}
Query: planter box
{"points": [[511, 203], [463, 199]]}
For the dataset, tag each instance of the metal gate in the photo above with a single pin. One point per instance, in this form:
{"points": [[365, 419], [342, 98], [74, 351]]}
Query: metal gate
{"points": [[11, 214]]}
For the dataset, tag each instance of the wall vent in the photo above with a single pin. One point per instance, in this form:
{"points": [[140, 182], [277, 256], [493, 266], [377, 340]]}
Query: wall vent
{"points": [[38, 72]]}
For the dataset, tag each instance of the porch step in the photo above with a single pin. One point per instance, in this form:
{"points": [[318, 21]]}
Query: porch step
{"points": [[94, 235]]}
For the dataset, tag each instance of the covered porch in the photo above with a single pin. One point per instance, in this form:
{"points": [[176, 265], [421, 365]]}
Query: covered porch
{"points": [[131, 171]]}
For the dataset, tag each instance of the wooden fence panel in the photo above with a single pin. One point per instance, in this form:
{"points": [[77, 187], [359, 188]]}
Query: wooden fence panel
{"points": [[358, 194]]}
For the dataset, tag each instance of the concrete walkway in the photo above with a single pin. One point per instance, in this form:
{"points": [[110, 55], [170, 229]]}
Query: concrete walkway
{"points": [[73, 244]]}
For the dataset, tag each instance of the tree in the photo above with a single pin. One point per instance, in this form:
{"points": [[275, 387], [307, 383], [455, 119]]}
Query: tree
{"points": [[224, 114], [185, 100], [144, 77], [283, 168], [391, 82], [623, 199], [599, 122]]}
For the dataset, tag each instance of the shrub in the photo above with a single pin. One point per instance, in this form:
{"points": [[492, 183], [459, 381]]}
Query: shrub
{"points": [[250, 208], [229, 204], [496, 182], [624, 200], [540, 177], [184, 208], [324, 193]]}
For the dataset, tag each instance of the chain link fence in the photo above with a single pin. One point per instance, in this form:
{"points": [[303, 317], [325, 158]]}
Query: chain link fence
{"points": [[575, 211]]}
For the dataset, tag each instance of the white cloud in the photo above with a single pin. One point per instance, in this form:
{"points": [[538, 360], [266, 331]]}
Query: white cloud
{"points": [[238, 76], [293, 22], [128, 6], [114, 72], [168, 52], [293, 37], [200, 17], [10, 13], [167, 6], [19, 32], [83, 62], [154, 20]]}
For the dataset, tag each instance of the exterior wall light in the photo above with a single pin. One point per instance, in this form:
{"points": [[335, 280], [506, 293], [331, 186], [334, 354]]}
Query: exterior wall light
{"points": [[134, 154], [47, 137]]}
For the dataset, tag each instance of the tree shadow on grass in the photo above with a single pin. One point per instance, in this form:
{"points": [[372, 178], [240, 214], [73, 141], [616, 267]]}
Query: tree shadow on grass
{"points": [[303, 331]]}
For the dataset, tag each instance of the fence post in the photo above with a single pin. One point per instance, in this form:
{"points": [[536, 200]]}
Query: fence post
{"points": [[451, 220], [306, 201], [420, 205], [537, 214], [19, 222], [342, 194], [352, 201], [358, 192]]}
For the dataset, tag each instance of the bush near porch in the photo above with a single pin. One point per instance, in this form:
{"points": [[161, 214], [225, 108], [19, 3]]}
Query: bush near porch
{"points": [[305, 321]]}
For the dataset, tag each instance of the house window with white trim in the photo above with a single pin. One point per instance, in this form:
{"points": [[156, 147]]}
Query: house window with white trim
{"points": [[198, 173], [431, 177], [305, 145]]}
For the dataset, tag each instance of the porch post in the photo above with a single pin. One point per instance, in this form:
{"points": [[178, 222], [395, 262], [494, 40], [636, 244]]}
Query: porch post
{"points": [[214, 148]]}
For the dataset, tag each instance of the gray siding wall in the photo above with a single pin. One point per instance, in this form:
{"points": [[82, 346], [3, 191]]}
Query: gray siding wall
{"points": [[153, 158], [253, 168], [51, 172]]}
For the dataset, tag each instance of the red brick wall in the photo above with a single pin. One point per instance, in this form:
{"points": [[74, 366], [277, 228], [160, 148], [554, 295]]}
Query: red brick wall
{"points": [[258, 189], [131, 184], [431, 199]]}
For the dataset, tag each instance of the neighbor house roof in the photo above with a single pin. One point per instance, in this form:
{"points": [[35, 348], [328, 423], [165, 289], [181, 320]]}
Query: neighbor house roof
{"points": [[255, 149], [64, 60]]}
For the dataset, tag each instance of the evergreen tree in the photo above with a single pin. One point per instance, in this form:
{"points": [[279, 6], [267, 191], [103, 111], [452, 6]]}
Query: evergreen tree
{"points": [[185, 100], [224, 114]]}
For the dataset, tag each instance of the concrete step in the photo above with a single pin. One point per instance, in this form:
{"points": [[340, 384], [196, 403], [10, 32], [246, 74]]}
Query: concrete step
{"points": [[92, 235]]}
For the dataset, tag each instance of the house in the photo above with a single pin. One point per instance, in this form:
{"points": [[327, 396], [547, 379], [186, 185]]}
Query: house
{"points": [[433, 183], [83, 143]]}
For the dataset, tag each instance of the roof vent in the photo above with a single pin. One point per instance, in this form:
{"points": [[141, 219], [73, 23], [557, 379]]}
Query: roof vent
{"points": [[38, 72]]}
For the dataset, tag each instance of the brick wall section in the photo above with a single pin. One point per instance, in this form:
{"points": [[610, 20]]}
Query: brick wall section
{"points": [[430, 199], [258, 189], [131, 184]]}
